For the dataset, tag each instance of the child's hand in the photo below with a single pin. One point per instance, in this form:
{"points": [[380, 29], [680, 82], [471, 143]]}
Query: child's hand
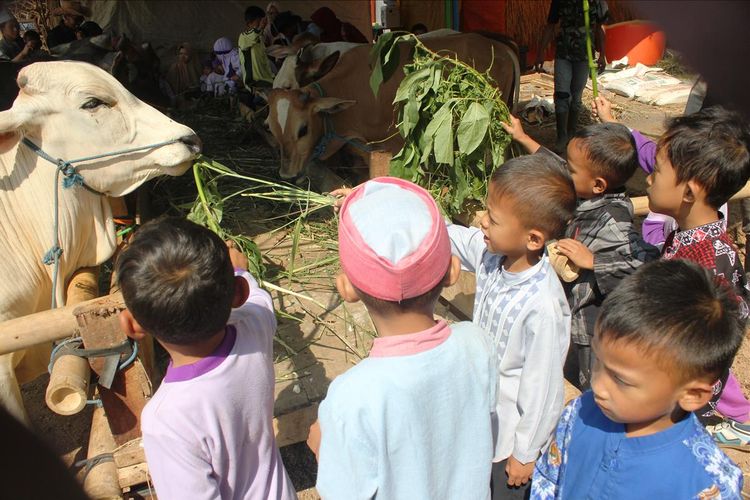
{"points": [[313, 439], [239, 260], [514, 128], [340, 195], [518, 473], [577, 253], [602, 108]]}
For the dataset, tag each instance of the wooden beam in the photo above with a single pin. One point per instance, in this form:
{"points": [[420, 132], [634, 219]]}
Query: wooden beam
{"points": [[293, 427], [45, 326], [102, 480]]}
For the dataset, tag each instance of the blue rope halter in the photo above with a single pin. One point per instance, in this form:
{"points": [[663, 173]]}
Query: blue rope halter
{"points": [[72, 178], [329, 133]]}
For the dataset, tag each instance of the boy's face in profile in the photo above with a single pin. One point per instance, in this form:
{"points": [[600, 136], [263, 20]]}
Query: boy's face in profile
{"points": [[581, 171], [665, 195], [631, 388], [504, 233]]}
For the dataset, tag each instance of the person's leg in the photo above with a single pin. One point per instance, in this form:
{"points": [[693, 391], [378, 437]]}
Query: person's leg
{"points": [[579, 76], [585, 363], [500, 488], [563, 77]]}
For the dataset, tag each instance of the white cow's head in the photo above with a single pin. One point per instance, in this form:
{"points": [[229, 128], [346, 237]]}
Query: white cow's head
{"points": [[73, 110]]}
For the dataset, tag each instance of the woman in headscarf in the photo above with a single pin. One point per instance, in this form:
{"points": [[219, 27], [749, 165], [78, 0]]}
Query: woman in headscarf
{"points": [[269, 31], [229, 57], [184, 75], [333, 30]]}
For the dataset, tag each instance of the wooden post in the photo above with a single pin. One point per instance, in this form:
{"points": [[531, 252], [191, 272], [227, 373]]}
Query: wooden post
{"points": [[124, 400], [102, 480], [68, 386], [380, 163], [83, 286]]}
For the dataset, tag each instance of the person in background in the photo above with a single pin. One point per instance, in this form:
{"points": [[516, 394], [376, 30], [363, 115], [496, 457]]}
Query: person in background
{"points": [[332, 29], [256, 68], [87, 29], [571, 59], [229, 57], [10, 48], [73, 14], [269, 30], [184, 74], [36, 53]]}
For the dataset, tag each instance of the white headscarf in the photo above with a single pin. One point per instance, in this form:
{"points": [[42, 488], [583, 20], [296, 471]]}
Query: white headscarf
{"points": [[228, 55]]}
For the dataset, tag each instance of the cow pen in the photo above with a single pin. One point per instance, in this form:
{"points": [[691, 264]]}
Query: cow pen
{"points": [[92, 420]]}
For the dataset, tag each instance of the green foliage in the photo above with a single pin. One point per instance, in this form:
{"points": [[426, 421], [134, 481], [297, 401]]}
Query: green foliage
{"points": [[449, 115]]}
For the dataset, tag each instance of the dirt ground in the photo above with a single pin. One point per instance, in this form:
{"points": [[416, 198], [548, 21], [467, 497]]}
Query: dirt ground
{"points": [[316, 341]]}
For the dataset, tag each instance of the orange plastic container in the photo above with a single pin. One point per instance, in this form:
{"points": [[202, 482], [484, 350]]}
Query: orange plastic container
{"points": [[642, 41]]}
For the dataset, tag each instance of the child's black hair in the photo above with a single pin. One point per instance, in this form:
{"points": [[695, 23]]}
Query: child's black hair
{"points": [[541, 190], [412, 304], [253, 13], [678, 313], [177, 280], [32, 35], [611, 149], [711, 147]]}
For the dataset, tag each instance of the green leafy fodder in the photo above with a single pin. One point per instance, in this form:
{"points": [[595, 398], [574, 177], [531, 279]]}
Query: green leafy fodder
{"points": [[449, 115]]}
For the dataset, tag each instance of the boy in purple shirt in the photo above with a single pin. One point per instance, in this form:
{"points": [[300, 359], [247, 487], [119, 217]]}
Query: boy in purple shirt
{"points": [[207, 431]]}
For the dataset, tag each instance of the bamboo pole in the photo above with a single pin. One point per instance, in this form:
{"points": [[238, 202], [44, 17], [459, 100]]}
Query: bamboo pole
{"points": [[102, 480], [68, 386], [47, 326]]}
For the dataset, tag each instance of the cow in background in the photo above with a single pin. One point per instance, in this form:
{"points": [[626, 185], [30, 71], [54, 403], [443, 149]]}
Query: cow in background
{"points": [[340, 111], [70, 110]]}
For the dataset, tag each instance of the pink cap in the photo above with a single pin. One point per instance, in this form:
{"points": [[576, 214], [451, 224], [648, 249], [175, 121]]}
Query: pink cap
{"points": [[393, 243]]}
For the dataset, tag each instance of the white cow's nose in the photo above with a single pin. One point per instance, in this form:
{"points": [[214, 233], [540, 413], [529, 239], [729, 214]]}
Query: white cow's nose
{"points": [[193, 142]]}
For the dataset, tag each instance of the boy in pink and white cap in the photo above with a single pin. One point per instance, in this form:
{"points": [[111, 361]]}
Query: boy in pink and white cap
{"points": [[414, 419]]}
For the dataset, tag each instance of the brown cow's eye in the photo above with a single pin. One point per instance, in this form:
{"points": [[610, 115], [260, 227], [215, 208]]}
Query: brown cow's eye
{"points": [[302, 132], [93, 103]]}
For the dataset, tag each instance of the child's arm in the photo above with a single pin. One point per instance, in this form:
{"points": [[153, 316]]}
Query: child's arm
{"points": [[549, 469], [515, 129], [646, 147], [258, 308], [546, 331], [616, 251], [467, 243]]}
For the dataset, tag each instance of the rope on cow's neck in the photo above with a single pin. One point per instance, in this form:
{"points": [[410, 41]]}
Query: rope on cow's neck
{"points": [[329, 133], [72, 178]]}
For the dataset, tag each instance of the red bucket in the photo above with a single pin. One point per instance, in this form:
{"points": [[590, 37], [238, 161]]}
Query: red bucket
{"points": [[642, 41]]}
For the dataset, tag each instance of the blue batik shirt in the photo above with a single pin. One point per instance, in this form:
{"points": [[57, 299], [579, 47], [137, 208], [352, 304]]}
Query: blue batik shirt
{"points": [[592, 458]]}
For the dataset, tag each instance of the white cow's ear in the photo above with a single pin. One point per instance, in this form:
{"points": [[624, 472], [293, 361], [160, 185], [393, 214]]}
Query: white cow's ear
{"points": [[12, 120], [331, 105]]}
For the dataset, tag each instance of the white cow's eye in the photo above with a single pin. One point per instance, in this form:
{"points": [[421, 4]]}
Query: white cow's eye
{"points": [[93, 103]]}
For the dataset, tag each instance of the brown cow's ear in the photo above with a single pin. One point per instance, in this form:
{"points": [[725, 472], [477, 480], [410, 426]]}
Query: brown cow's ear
{"points": [[326, 65], [331, 105]]}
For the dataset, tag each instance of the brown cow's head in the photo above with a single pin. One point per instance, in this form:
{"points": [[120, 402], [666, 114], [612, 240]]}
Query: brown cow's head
{"points": [[296, 120]]}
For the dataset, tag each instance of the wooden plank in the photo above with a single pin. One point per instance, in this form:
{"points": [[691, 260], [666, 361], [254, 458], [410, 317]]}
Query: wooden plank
{"points": [[100, 328], [131, 453], [133, 475], [380, 163]]}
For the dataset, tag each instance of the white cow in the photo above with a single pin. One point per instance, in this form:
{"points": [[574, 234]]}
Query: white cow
{"points": [[70, 110], [307, 63]]}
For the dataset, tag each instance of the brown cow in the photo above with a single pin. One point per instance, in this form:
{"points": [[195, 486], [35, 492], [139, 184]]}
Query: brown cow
{"points": [[340, 109]]}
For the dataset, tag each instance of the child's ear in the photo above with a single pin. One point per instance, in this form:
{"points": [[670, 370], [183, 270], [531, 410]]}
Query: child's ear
{"points": [[535, 240], [241, 291], [600, 185], [693, 192], [454, 271], [346, 289], [130, 326], [695, 395]]}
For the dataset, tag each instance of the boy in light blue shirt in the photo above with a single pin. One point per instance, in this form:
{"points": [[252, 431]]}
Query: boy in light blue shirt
{"points": [[414, 419]]}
